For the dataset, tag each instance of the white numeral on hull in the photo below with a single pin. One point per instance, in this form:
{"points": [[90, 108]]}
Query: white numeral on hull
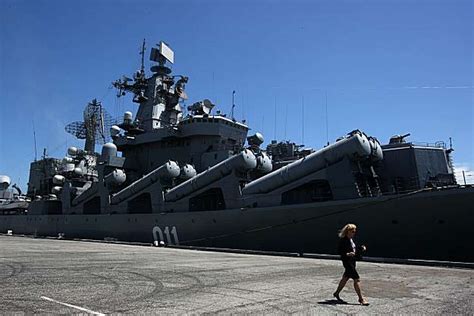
{"points": [[170, 236]]}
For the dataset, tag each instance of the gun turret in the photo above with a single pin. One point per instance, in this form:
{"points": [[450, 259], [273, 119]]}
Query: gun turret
{"points": [[398, 139]]}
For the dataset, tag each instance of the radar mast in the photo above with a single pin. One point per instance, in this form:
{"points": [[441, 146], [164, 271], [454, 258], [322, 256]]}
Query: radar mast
{"points": [[159, 95]]}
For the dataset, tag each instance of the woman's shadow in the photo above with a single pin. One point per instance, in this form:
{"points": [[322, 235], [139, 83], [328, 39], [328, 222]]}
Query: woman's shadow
{"points": [[335, 302]]}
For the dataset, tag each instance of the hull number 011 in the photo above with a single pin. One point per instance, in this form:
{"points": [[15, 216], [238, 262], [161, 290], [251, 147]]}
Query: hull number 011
{"points": [[169, 237]]}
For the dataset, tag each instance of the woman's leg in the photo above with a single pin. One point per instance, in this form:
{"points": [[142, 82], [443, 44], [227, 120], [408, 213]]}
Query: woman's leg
{"points": [[358, 291], [341, 285]]}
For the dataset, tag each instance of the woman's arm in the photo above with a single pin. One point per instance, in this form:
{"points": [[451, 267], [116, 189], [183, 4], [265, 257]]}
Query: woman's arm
{"points": [[345, 248], [359, 251]]}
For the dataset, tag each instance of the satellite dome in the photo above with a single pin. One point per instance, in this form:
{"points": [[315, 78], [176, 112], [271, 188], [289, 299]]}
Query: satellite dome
{"points": [[72, 151], [114, 130], [109, 150], [58, 179], [4, 182], [127, 117]]}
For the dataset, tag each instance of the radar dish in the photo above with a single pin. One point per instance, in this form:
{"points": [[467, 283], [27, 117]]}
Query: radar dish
{"points": [[166, 52], [162, 54], [95, 128]]}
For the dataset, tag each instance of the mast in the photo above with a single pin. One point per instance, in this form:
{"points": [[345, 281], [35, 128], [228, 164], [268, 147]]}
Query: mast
{"points": [[158, 96], [34, 138], [142, 52]]}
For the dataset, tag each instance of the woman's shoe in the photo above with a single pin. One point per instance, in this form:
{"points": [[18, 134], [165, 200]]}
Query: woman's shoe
{"points": [[364, 303]]}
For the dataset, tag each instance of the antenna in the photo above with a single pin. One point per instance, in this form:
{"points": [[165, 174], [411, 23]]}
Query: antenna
{"points": [[142, 52], [302, 120], [213, 91], [327, 119], [34, 138], [286, 118], [275, 121], [242, 99], [233, 105]]}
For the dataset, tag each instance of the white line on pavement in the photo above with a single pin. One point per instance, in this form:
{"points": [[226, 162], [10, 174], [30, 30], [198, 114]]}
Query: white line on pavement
{"points": [[72, 306]]}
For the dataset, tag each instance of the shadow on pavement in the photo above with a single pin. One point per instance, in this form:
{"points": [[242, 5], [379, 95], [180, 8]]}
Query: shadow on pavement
{"points": [[335, 302]]}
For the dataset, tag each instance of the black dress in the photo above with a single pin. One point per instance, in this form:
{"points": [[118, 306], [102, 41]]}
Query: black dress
{"points": [[349, 263]]}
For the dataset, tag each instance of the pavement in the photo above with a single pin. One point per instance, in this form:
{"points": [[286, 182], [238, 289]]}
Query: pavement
{"points": [[46, 276]]}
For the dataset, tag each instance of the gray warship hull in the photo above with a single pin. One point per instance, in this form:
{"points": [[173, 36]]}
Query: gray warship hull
{"points": [[429, 224]]}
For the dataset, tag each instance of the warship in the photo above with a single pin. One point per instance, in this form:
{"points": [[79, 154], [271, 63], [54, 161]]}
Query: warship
{"points": [[191, 177]]}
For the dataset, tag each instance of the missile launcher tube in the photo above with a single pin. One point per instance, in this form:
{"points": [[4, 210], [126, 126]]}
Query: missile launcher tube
{"points": [[354, 145], [116, 177], [187, 172], [264, 163], [244, 161], [167, 171], [84, 193], [377, 153]]}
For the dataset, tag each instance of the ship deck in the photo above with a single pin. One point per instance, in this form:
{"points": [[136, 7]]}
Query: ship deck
{"points": [[64, 277]]}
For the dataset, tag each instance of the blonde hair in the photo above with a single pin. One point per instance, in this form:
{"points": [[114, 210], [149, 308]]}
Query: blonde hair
{"points": [[349, 227]]}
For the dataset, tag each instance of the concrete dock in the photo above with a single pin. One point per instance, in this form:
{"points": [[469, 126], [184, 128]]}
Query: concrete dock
{"points": [[64, 277]]}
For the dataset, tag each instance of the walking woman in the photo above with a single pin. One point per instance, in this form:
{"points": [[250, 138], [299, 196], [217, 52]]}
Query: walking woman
{"points": [[349, 254]]}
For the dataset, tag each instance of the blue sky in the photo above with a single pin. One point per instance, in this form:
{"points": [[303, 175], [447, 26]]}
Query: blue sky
{"points": [[387, 67]]}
